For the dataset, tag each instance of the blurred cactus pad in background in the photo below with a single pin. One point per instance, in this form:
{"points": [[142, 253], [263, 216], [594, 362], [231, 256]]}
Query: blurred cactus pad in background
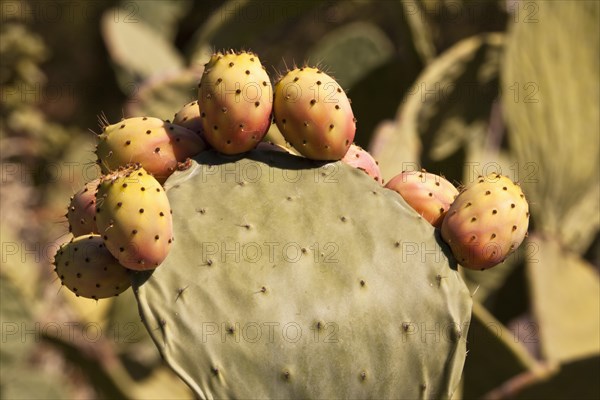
{"points": [[369, 302]]}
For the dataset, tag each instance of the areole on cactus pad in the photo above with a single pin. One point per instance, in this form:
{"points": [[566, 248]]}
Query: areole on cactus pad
{"points": [[298, 293]]}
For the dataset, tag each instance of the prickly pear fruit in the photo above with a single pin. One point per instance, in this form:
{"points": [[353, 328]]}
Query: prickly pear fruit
{"points": [[429, 194], [361, 159], [134, 218], [235, 100], [157, 145], [314, 114], [189, 117], [82, 210], [86, 267], [486, 222]]}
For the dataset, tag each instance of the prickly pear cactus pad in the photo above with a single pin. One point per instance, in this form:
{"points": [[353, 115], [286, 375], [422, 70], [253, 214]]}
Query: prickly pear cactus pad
{"points": [[292, 278]]}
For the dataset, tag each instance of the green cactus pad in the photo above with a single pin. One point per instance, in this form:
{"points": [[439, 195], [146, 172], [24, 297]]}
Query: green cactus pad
{"points": [[292, 278]]}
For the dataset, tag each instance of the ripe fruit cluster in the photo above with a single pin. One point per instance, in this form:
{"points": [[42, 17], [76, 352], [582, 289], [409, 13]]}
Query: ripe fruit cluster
{"points": [[122, 221]]}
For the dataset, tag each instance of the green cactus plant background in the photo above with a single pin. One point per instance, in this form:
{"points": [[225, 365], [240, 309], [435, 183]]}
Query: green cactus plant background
{"points": [[457, 87]]}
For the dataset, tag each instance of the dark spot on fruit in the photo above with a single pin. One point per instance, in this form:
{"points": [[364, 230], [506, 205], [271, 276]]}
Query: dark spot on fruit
{"points": [[514, 228], [97, 285], [79, 275], [493, 235], [487, 192], [156, 150], [264, 83], [339, 90], [296, 79], [430, 194], [504, 188], [143, 189], [238, 91], [231, 64], [133, 232], [494, 212], [257, 103], [141, 210], [473, 219], [219, 80], [247, 72], [203, 115], [331, 126], [162, 214], [512, 205], [468, 205], [337, 107], [121, 249], [312, 102], [122, 126], [124, 185], [362, 282]]}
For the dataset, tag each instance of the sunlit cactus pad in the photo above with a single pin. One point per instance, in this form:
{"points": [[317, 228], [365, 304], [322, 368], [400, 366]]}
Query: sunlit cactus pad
{"points": [[292, 278]]}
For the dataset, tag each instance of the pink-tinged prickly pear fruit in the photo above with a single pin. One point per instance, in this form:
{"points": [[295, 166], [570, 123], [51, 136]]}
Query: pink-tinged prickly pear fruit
{"points": [[134, 218], [429, 194], [88, 269], [361, 159], [486, 222], [314, 114], [82, 210], [189, 117], [235, 100], [155, 144]]}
